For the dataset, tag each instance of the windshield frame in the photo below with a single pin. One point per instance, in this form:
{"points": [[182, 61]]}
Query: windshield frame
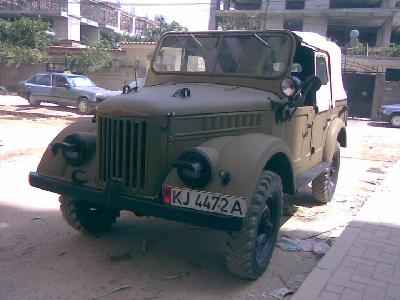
{"points": [[217, 34]]}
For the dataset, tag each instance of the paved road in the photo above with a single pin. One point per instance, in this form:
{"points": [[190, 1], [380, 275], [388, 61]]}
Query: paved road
{"points": [[148, 258]]}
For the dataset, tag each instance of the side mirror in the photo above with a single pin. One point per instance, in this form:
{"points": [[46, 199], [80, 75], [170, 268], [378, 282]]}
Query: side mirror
{"points": [[67, 86], [313, 83]]}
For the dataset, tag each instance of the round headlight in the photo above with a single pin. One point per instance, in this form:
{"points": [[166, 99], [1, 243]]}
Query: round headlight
{"points": [[194, 168], [80, 147], [290, 86]]}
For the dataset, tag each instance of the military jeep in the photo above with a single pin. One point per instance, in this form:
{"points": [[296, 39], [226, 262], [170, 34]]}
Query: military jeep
{"points": [[226, 123]]}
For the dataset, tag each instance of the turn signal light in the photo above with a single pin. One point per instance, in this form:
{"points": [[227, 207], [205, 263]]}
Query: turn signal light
{"points": [[167, 194]]}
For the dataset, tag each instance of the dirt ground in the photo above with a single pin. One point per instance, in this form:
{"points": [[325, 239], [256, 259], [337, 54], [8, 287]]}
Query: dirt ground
{"points": [[147, 258]]}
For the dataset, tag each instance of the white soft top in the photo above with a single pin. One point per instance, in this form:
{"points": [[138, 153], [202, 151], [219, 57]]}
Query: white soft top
{"points": [[335, 56]]}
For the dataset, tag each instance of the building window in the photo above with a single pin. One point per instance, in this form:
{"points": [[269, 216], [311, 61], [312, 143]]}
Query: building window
{"points": [[293, 25], [392, 75], [353, 4], [294, 4]]}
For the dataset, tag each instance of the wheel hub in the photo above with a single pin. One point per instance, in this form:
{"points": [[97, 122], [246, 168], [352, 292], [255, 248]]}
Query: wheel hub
{"points": [[264, 235]]}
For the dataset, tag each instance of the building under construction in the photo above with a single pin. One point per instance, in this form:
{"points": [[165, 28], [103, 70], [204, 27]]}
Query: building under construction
{"points": [[370, 80]]}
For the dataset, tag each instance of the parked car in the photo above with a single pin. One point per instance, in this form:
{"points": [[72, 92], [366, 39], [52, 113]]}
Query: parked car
{"points": [[221, 131], [390, 113], [134, 85], [64, 89]]}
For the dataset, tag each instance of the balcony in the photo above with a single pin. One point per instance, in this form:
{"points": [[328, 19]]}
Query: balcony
{"points": [[108, 15], [33, 7], [90, 10], [126, 23]]}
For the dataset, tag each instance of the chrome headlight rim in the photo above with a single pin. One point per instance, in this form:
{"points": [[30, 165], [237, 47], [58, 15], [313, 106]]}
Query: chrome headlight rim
{"points": [[290, 86]]}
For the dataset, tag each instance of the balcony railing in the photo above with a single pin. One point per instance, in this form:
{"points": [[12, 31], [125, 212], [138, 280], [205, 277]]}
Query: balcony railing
{"points": [[109, 15], [126, 23], [21, 6]]}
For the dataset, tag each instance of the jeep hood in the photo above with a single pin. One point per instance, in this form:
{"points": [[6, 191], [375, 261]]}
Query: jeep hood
{"points": [[204, 99]]}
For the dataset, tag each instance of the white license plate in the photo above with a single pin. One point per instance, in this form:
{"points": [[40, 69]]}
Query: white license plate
{"points": [[210, 202]]}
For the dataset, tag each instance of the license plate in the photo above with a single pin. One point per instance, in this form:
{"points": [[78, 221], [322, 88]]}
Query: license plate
{"points": [[210, 202]]}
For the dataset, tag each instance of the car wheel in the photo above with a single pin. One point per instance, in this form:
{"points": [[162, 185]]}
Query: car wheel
{"points": [[249, 250], [395, 121], [33, 101], [84, 106], [323, 187], [86, 217]]}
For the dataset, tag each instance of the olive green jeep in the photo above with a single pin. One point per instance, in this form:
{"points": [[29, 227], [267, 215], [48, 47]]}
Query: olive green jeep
{"points": [[226, 123]]}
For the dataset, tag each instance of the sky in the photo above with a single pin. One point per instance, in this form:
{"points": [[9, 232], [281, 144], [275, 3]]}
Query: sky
{"points": [[194, 17]]}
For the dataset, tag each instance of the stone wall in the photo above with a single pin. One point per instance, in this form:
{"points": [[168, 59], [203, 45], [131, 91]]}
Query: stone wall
{"points": [[10, 76]]}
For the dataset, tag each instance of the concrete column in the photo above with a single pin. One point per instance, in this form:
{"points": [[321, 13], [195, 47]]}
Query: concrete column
{"points": [[213, 9], [315, 24], [275, 22], [74, 29], [379, 92], [74, 8], [384, 33], [316, 4]]}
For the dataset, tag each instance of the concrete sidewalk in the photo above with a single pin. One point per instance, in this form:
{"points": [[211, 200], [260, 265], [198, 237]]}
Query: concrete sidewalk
{"points": [[364, 262]]}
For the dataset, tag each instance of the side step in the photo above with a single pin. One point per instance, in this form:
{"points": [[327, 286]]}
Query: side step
{"points": [[303, 179]]}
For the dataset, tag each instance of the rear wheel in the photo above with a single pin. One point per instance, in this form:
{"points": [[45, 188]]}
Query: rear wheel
{"points": [[249, 250], [87, 217], [323, 187], [33, 101], [395, 121]]}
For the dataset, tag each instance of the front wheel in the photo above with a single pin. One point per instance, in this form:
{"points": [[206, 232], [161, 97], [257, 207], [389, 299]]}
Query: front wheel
{"points": [[249, 250], [33, 101], [323, 187], [395, 121], [84, 106], [87, 217]]}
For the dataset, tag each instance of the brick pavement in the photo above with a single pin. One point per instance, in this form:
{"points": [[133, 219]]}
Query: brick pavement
{"points": [[364, 262]]}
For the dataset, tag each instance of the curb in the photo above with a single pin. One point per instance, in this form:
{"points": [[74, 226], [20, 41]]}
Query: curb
{"points": [[315, 282]]}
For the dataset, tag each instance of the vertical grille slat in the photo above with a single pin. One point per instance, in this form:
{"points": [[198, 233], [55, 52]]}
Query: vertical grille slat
{"points": [[122, 152]]}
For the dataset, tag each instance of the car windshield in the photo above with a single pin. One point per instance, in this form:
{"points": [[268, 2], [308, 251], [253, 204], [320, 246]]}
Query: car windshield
{"points": [[80, 81], [261, 55]]}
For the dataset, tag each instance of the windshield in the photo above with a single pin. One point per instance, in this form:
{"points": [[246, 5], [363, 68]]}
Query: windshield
{"points": [[80, 81], [261, 55]]}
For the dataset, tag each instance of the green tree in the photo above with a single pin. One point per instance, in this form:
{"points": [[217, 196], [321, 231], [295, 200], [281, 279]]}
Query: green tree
{"points": [[94, 58], [153, 34], [23, 40]]}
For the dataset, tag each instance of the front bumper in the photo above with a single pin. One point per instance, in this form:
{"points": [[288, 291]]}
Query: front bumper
{"points": [[140, 206]]}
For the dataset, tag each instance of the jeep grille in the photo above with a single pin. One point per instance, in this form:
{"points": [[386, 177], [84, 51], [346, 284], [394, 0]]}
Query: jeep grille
{"points": [[122, 145]]}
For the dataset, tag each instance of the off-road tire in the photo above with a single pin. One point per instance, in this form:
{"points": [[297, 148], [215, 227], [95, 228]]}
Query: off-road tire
{"points": [[86, 217], [395, 120], [323, 187], [32, 100], [249, 250], [84, 106]]}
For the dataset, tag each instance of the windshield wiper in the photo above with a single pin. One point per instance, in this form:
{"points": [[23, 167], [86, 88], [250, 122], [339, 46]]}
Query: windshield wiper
{"points": [[198, 43], [264, 42]]}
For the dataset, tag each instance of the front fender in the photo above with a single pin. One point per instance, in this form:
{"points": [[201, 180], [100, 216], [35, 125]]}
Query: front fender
{"points": [[55, 165], [336, 132], [243, 156]]}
